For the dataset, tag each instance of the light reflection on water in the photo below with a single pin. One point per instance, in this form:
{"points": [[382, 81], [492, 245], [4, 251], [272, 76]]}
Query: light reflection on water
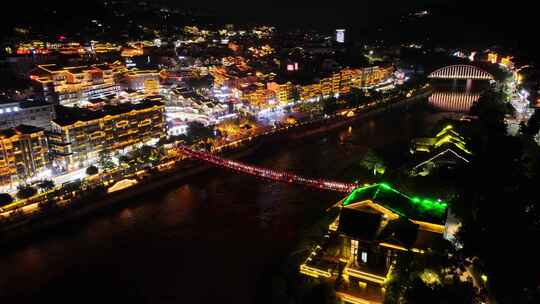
{"points": [[456, 96]]}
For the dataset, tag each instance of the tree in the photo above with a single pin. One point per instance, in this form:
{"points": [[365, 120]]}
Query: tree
{"points": [[92, 170], [105, 161], [124, 159], [505, 169], [197, 131], [321, 293], [26, 192], [5, 199], [372, 162], [46, 185], [533, 125], [329, 105]]}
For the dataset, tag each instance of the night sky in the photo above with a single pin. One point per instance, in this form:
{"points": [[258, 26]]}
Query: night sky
{"points": [[460, 21]]}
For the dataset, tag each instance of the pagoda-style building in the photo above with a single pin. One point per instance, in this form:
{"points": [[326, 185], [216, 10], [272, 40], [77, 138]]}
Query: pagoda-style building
{"points": [[376, 223], [447, 149]]}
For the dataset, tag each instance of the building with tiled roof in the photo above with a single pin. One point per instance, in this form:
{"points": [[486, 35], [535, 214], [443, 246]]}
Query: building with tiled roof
{"points": [[376, 223]]}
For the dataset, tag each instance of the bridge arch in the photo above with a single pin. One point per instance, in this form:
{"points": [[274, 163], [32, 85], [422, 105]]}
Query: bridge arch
{"points": [[461, 71]]}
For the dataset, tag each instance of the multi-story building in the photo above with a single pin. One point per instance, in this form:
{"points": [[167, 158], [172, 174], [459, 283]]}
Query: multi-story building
{"points": [[310, 91], [375, 75], [375, 225], [283, 91], [29, 112], [143, 80], [72, 85], [79, 137], [345, 81], [23, 154], [258, 96]]}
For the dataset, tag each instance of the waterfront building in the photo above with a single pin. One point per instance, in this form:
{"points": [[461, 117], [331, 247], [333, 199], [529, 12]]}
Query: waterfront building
{"points": [[29, 112], [309, 92], [258, 95], [70, 85], [283, 91], [80, 136], [376, 223], [23, 154], [374, 75]]}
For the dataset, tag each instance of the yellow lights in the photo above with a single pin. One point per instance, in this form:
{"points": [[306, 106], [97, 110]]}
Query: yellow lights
{"points": [[121, 185], [314, 272], [493, 57], [392, 246], [352, 299], [484, 278], [388, 245], [430, 277], [444, 130], [430, 226], [364, 275]]}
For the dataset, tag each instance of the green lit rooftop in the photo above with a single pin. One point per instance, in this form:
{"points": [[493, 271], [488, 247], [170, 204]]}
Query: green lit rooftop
{"points": [[414, 208]]}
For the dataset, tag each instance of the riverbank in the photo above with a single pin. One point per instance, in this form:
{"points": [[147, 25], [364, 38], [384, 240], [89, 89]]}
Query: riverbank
{"points": [[87, 206]]}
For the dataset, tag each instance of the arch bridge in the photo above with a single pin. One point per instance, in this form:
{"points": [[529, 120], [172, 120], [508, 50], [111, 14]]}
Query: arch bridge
{"points": [[461, 71]]}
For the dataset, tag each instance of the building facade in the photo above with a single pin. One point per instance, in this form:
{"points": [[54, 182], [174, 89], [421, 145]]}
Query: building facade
{"points": [[34, 113], [78, 139], [23, 154], [143, 80], [69, 86], [283, 91]]}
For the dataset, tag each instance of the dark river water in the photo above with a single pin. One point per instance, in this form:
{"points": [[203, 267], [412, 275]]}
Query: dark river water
{"points": [[209, 238]]}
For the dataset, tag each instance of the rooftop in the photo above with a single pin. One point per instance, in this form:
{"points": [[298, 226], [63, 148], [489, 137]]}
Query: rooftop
{"points": [[22, 129], [68, 116], [414, 208]]}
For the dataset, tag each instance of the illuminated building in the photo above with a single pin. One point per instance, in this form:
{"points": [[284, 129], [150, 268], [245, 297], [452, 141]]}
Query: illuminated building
{"points": [[447, 136], [258, 95], [507, 62], [447, 149], [143, 80], [100, 48], [131, 52], [34, 113], [283, 92], [375, 75], [79, 135], [310, 91], [335, 84], [375, 225], [340, 35], [493, 57], [23, 154], [233, 46], [71, 85], [345, 81]]}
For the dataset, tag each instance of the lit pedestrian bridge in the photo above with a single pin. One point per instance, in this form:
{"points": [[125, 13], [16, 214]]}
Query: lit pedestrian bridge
{"points": [[273, 175]]}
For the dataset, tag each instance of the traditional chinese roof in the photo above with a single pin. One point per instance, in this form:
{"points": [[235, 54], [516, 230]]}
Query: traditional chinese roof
{"points": [[414, 208]]}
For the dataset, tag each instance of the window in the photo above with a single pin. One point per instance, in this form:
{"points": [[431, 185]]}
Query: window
{"points": [[364, 257]]}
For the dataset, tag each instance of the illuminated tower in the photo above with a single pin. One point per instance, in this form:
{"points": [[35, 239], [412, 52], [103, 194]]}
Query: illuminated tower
{"points": [[340, 35]]}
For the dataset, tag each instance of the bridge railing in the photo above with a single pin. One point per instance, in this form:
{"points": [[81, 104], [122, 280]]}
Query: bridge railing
{"points": [[282, 176]]}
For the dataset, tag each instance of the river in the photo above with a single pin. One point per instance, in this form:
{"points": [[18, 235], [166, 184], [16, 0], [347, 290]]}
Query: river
{"points": [[209, 238]]}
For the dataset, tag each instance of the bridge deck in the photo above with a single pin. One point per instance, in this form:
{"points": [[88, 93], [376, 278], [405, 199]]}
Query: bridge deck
{"points": [[274, 175]]}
